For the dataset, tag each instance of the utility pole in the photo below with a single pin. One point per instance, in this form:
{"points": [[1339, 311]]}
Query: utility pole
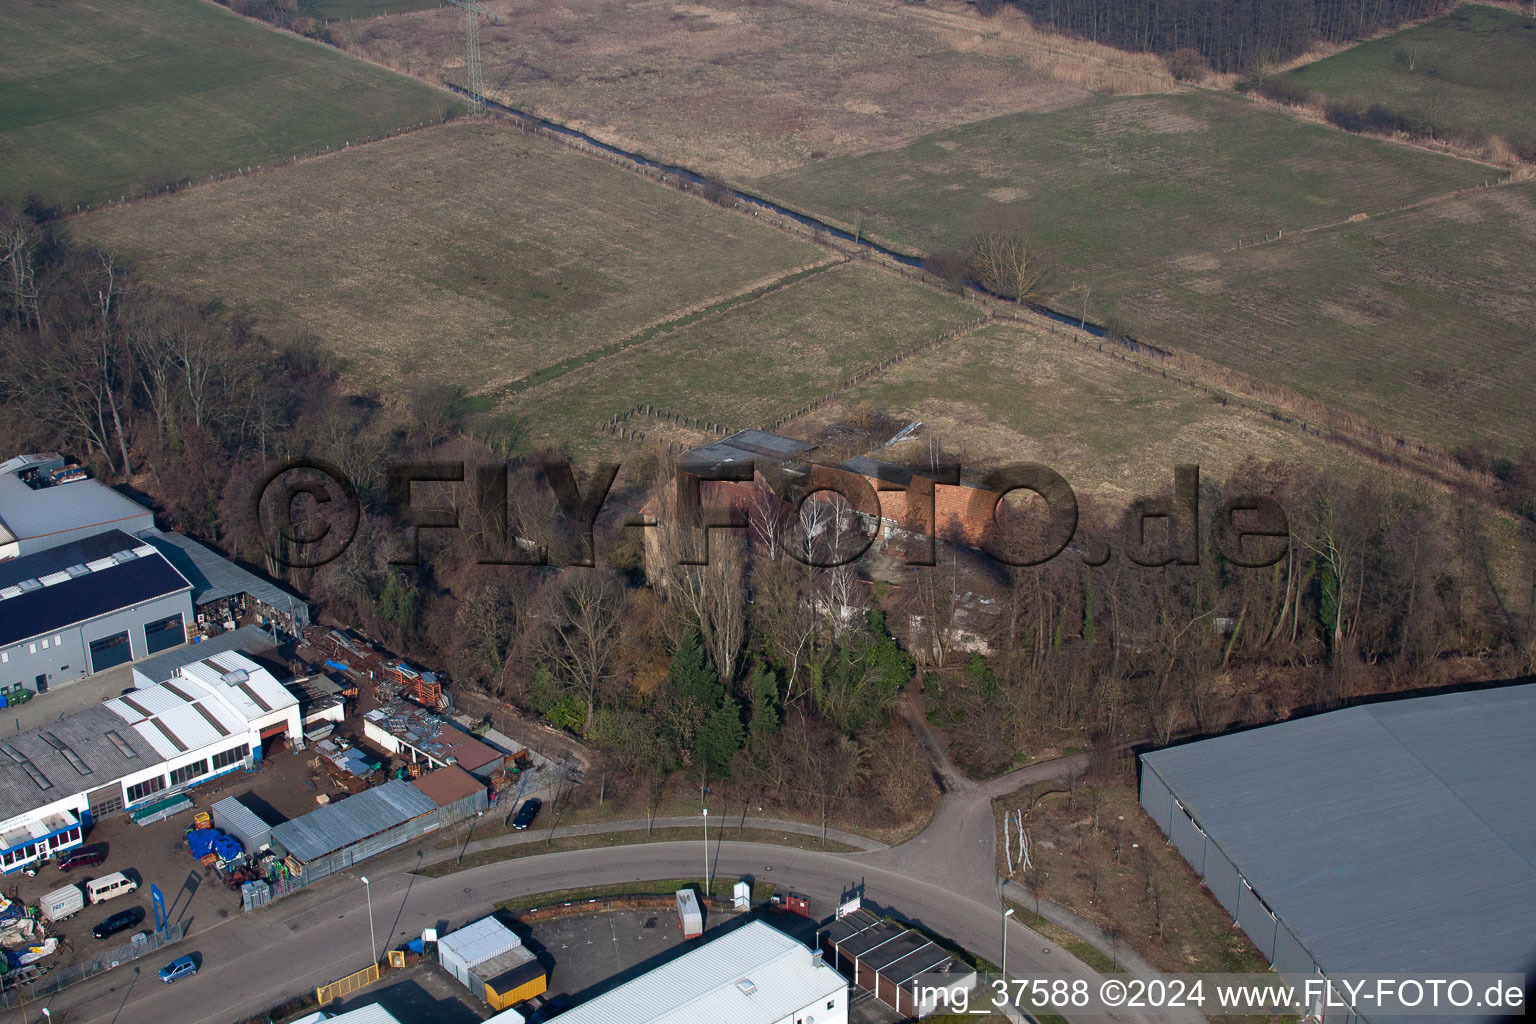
{"points": [[476, 79], [706, 851], [373, 942], [1006, 915]]}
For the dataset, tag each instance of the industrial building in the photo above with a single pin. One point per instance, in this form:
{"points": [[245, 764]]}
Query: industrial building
{"points": [[403, 728], [95, 584], [1389, 838], [46, 501], [138, 749], [886, 960], [85, 606], [754, 974]]}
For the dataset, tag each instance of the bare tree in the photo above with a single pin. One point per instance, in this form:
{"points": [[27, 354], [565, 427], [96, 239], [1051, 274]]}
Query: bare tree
{"points": [[580, 619], [1008, 261]]}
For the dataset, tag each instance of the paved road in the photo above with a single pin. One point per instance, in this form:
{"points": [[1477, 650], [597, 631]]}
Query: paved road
{"points": [[944, 880], [322, 934]]}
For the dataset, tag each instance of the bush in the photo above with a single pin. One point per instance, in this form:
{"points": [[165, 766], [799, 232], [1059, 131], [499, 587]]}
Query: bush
{"points": [[1188, 64], [1284, 90]]}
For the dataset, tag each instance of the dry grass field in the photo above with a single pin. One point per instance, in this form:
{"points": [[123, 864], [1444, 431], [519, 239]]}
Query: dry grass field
{"points": [[740, 89], [469, 253], [100, 100], [1420, 321], [746, 366], [1007, 394]]}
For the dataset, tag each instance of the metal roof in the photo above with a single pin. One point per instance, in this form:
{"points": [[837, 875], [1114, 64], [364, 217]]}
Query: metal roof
{"points": [[449, 785], [348, 821], [240, 821], [42, 765], [754, 446], [206, 702], [477, 943], [701, 987], [897, 953], [246, 639], [510, 970], [36, 515], [373, 1013], [1397, 837], [79, 581], [215, 577]]}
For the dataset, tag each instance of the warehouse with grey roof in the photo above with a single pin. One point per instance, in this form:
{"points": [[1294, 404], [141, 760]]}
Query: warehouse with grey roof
{"points": [[1389, 838]]}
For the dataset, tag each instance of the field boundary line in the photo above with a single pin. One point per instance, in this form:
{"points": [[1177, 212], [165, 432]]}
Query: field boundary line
{"points": [[706, 309]]}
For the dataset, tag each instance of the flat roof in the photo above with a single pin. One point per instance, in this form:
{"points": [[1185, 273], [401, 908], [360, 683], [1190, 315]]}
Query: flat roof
{"points": [[753, 975], [507, 971], [449, 785], [79, 581], [896, 952], [480, 941], [1396, 837], [246, 640], [744, 446], [28, 514], [85, 750], [215, 577], [340, 824]]}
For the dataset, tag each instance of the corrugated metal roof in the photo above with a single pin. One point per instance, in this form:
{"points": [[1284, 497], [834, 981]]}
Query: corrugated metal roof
{"points": [[246, 639], [179, 714], [215, 577], [700, 987], [347, 821], [476, 943], [449, 785], [1397, 837], [234, 817], [36, 515], [373, 1013]]}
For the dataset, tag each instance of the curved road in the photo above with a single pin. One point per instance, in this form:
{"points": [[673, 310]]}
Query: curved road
{"points": [[945, 880]]}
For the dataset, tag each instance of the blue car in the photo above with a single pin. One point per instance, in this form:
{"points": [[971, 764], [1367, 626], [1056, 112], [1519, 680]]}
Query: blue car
{"points": [[178, 968]]}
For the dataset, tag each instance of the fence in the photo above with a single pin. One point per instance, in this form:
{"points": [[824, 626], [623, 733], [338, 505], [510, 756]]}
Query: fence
{"points": [[346, 986], [255, 895], [63, 977]]}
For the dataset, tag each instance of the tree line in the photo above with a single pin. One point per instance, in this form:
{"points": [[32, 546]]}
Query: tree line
{"points": [[1232, 35]]}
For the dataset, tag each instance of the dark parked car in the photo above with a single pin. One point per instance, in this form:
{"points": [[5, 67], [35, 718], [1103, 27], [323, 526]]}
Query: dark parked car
{"points": [[527, 813], [82, 857], [118, 921]]}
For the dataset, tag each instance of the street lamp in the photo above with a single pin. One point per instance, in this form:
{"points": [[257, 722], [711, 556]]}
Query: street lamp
{"points": [[706, 853], [373, 942], [1006, 915]]}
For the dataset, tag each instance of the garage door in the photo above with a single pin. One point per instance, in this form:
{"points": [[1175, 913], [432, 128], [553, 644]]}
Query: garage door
{"points": [[110, 650], [165, 634]]}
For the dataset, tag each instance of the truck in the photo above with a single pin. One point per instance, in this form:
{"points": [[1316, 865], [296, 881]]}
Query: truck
{"points": [[689, 917], [62, 903]]}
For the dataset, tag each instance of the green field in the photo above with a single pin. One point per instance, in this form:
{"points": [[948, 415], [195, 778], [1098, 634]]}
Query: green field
{"points": [[751, 364], [1414, 320], [99, 100], [1473, 68], [1122, 181], [1421, 321], [337, 10], [472, 254]]}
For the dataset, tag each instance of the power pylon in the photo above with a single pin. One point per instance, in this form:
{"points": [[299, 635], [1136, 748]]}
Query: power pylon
{"points": [[473, 12]]}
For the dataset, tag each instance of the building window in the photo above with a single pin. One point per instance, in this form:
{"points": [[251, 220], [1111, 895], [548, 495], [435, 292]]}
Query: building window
{"points": [[5, 657], [225, 758], [188, 772], [109, 651], [143, 789], [45, 643], [164, 634]]}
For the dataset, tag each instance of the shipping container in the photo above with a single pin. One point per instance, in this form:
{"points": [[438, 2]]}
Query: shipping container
{"points": [[511, 978], [62, 903], [689, 917]]}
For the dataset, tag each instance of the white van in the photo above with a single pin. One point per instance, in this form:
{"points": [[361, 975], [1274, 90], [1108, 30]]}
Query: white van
{"points": [[109, 887]]}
